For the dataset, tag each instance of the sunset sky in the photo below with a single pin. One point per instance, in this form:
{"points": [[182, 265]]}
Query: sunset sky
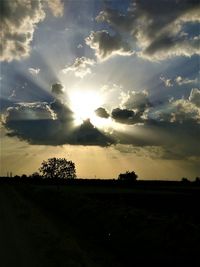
{"points": [[111, 85]]}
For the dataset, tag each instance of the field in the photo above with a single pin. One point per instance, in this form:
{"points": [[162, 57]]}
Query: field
{"points": [[99, 224]]}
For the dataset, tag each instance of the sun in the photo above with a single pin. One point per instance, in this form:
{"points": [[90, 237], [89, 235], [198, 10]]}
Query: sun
{"points": [[83, 104]]}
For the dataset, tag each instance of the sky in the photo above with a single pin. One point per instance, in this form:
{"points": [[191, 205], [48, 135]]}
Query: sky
{"points": [[111, 85]]}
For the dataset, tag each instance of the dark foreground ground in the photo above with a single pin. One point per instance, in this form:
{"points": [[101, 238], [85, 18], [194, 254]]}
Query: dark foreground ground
{"points": [[99, 225]]}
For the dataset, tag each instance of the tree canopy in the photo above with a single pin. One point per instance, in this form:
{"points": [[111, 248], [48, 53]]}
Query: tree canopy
{"points": [[58, 168]]}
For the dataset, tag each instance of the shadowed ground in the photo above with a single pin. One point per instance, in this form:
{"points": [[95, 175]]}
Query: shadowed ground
{"points": [[29, 238], [97, 225]]}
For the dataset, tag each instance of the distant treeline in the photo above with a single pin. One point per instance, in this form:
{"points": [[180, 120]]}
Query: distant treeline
{"points": [[39, 180]]}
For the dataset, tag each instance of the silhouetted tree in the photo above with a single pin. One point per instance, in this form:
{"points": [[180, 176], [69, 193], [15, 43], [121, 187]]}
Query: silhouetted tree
{"points": [[128, 176], [24, 176], [58, 168]]}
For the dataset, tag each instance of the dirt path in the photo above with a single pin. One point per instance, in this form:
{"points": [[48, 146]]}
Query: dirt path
{"points": [[29, 239]]}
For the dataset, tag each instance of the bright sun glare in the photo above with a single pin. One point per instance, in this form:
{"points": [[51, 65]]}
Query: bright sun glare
{"points": [[84, 104]]}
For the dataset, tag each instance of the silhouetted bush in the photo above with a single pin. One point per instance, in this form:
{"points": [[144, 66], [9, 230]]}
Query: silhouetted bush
{"points": [[128, 176], [185, 180]]}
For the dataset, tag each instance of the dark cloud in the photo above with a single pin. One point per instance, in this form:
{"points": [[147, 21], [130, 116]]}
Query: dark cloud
{"points": [[87, 134], [125, 116], [106, 45], [51, 124], [57, 89], [102, 113], [158, 26], [170, 140]]}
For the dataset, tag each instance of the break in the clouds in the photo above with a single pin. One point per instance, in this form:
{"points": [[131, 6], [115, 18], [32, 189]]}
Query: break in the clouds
{"points": [[81, 67], [34, 71], [161, 29], [18, 23], [179, 80], [106, 45]]}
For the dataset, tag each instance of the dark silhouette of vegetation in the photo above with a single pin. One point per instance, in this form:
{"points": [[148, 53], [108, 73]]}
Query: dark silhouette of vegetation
{"points": [[58, 168], [128, 176], [35, 175], [185, 180], [197, 180]]}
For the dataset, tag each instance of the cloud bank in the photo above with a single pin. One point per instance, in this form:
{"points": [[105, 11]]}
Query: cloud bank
{"points": [[172, 128]]}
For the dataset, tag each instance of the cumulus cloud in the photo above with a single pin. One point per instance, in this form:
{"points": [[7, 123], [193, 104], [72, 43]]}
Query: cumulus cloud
{"points": [[106, 45], [34, 71], [158, 27], [18, 19], [167, 82], [18, 23], [57, 89], [56, 7], [182, 110], [133, 108], [195, 97], [183, 81], [179, 80], [102, 113], [81, 67], [137, 101]]}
